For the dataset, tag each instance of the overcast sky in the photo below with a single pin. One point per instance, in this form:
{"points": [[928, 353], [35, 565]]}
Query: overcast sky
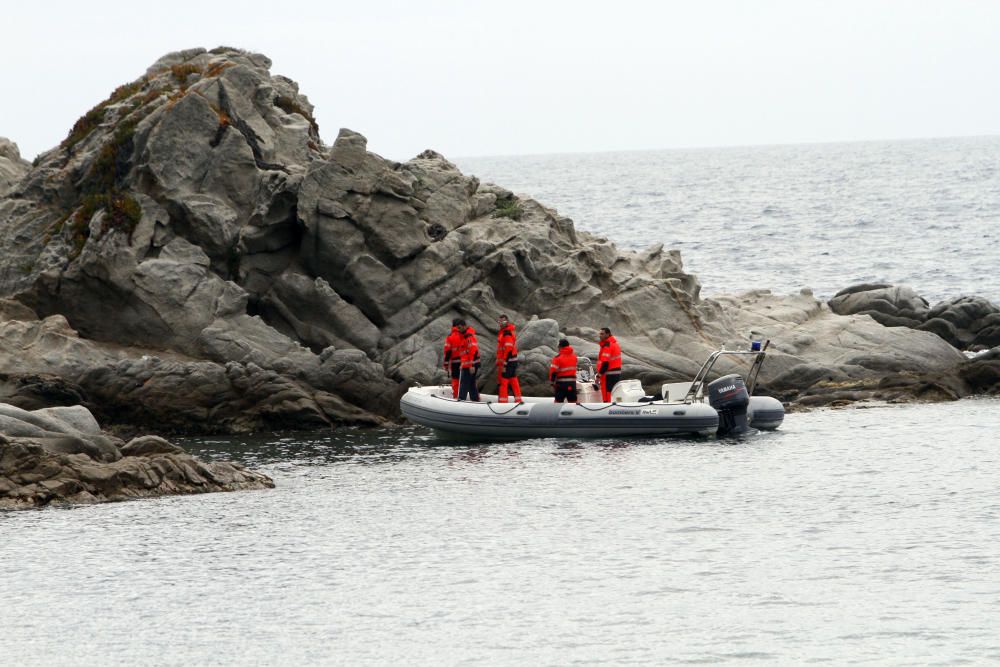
{"points": [[516, 77]]}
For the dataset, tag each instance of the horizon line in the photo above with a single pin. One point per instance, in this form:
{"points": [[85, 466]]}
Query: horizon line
{"points": [[725, 146]]}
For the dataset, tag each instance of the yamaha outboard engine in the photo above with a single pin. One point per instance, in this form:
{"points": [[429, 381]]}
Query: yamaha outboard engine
{"points": [[729, 396]]}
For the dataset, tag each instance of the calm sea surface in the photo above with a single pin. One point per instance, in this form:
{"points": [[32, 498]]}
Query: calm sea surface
{"points": [[861, 535], [923, 213], [849, 536]]}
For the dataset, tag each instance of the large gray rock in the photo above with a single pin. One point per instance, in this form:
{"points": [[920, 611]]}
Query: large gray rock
{"points": [[967, 323], [193, 257], [47, 359], [60, 456], [890, 305]]}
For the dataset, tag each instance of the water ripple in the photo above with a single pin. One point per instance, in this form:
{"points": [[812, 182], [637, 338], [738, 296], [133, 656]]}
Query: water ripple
{"points": [[386, 547]]}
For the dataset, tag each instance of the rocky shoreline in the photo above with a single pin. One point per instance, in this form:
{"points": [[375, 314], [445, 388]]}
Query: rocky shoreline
{"points": [[55, 456], [192, 258]]}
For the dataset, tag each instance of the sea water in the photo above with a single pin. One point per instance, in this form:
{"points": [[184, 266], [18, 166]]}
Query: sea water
{"points": [[923, 213], [848, 536], [857, 535]]}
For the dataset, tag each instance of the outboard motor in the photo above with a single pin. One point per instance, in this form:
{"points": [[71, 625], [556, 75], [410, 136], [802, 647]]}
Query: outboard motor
{"points": [[729, 396]]}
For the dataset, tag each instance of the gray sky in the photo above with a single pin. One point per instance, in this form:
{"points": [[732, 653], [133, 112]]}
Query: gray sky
{"points": [[515, 77]]}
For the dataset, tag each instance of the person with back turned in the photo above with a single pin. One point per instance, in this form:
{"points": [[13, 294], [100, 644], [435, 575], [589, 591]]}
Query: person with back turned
{"points": [[453, 354], [609, 364], [467, 388], [562, 373], [507, 362]]}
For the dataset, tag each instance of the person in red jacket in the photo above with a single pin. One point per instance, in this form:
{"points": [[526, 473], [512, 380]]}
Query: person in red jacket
{"points": [[609, 364], [507, 361], [470, 365], [562, 373], [453, 354]]}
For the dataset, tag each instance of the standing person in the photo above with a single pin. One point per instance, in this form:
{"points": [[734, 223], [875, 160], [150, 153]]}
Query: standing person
{"points": [[507, 361], [470, 365], [453, 354], [562, 373], [609, 364]]}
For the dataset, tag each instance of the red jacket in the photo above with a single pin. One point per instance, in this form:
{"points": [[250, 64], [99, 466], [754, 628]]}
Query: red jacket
{"points": [[506, 345], [453, 345], [470, 349], [563, 368], [610, 358]]}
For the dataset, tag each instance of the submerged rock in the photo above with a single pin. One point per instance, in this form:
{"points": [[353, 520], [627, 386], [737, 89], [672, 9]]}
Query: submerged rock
{"points": [[193, 257], [60, 456]]}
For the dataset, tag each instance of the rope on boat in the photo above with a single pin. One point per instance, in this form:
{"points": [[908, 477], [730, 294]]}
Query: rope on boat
{"points": [[603, 407], [489, 404]]}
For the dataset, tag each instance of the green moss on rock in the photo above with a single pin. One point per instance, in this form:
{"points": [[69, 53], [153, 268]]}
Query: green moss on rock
{"points": [[508, 208], [91, 120]]}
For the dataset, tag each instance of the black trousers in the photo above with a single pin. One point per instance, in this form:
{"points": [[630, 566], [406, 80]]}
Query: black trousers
{"points": [[566, 392], [467, 388]]}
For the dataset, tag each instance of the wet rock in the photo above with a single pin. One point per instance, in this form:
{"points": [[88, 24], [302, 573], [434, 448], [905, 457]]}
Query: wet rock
{"points": [[149, 444], [35, 391], [965, 322], [66, 459], [887, 304], [802, 376]]}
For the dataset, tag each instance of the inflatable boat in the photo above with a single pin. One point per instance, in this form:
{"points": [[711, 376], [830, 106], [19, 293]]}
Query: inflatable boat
{"points": [[722, 408]]}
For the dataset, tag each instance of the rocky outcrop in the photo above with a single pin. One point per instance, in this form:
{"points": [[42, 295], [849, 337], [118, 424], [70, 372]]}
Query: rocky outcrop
{"points": [[60, 455], [12, 167], [886, 304], [193, 257], [46, 362], [966, 322], [977, 376]]}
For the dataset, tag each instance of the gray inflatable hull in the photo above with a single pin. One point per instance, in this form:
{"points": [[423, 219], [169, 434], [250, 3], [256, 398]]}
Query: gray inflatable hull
{"points": [[539, 417], [765, 413]]}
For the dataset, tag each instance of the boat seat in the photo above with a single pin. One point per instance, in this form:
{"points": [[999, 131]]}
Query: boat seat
{"points": [[675, 391]]}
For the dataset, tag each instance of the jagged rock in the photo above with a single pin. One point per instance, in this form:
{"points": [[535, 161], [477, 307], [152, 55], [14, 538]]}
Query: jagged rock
{"points": [[174, 392], [65, 458], [149, 444], [965, 322], [978, 376], [982, 373], [12, 167], [199, 260], [34, 391], [310, 310], [68, 430], [803, 376], [887, 304], [803, 330]]}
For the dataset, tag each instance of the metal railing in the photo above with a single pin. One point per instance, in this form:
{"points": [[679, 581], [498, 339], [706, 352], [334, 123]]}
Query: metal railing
{"points": [[698, 384]]}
